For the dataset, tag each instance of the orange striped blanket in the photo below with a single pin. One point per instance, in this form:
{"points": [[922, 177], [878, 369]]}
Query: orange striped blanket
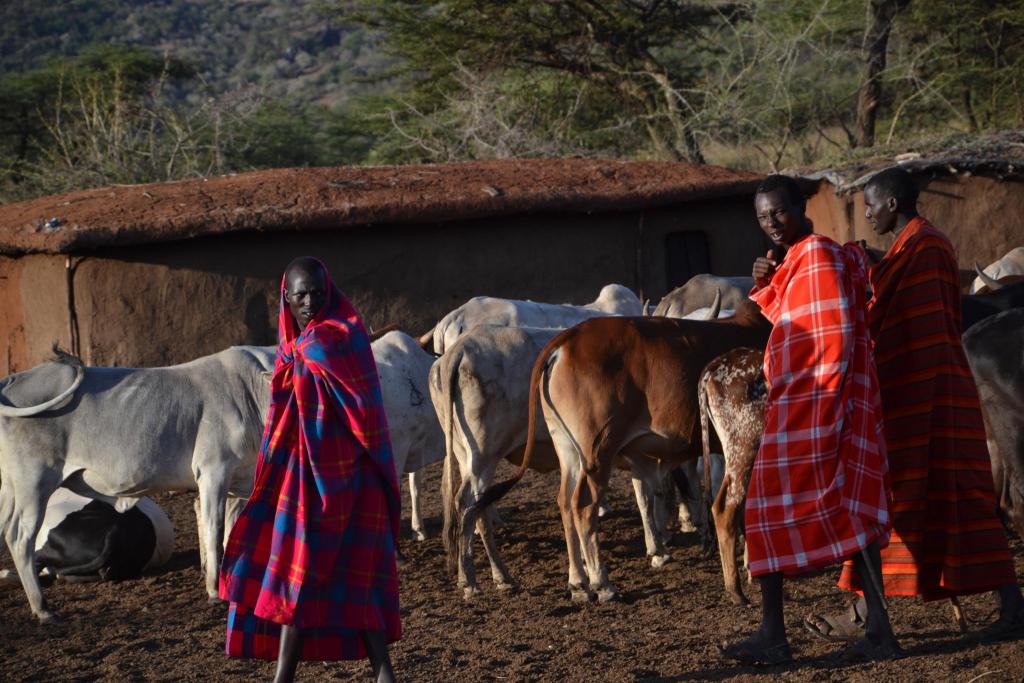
{"points": [[946, 538]]}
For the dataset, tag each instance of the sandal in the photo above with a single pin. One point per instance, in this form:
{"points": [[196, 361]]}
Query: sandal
{"points": [[864, 650], [751, 653], [842, 628]]}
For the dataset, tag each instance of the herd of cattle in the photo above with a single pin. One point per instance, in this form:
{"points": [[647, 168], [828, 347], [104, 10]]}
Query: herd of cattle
{"points": [[615, 386]]}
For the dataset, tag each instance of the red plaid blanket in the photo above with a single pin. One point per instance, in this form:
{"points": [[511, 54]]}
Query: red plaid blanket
{"points": [[946, 536], [315, 545], [818, 491]]}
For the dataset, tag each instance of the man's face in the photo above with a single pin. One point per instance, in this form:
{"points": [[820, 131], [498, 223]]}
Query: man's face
{"points": [[879, 210], [306, 293], [780, 220]]}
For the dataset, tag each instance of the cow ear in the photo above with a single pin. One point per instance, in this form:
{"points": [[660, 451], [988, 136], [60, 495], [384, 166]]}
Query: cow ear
{"points": [[267, 374]]}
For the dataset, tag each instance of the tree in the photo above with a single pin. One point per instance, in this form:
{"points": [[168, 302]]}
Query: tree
{"points": [[881, 15], [643, 56]]}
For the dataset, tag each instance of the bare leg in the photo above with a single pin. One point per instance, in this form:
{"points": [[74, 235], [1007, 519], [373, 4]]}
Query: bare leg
{"points": [[877, 628], [380, 661], [288, 654], [1011, 615], [769, 644], [878, 641], [1010, 602]]}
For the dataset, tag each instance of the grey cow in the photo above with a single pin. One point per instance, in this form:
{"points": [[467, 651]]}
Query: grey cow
{"points": [[416, 438], [107, 433], [700, 291]]}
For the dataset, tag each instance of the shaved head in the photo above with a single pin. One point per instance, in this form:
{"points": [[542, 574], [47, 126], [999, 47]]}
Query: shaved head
{"points": [[785, 184], [897, 183], [304, 264]]}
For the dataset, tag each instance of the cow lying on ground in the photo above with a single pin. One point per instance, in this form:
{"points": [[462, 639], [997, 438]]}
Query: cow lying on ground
{"points": [[621, 388], [1011, 263], [995, 350], [700, 290], [486, 310], [89, 540], [110, 433], [732, 394]]}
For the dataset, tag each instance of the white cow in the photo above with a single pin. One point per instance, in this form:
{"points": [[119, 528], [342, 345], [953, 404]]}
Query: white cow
{"points": [[486, 310], [1012, 263], [109, 433], [479, 390], [416, 438]]}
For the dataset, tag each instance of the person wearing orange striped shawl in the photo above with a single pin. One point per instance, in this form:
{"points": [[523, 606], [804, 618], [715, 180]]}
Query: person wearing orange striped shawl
{"points": [[947, 539]]}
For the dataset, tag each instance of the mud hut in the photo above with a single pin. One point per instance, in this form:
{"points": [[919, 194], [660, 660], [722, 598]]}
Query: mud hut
{"points": [[154, 274], [973, 190]]}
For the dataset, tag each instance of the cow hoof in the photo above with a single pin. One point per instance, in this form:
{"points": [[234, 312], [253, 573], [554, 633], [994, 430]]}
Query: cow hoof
{"points": [[48, 618], [419, 535], [607, 595], [659, 561], [687, 527], [738, 599], [604, 510], [470, 592], [581, 595], [504, 585], [214, 601]]}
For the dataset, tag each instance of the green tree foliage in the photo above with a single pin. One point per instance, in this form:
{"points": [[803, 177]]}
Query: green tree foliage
{"points": [[959, 64], [642, 60], [761, 84]]}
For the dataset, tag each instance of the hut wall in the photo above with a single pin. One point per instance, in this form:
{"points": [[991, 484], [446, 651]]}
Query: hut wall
{"points": [[733, 236], [33, 309], [983, 217], [165, 303]]}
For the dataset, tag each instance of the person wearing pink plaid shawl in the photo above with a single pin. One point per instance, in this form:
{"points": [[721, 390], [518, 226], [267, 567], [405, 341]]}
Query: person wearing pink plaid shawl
{"points": [[819, 490], [310, 567]]}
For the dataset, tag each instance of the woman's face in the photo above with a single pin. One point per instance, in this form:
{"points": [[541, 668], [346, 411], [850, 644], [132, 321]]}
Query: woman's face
{"points": [[306, 294]]}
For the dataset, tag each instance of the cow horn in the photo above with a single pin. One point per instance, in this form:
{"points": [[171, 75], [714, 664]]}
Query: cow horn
{"points": [[990, 282], [647, 308], [377, 334], [55, 402], [426, 340], [716, 305]]}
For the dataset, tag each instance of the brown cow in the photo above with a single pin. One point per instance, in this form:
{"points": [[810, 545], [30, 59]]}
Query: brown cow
{"points": [[621, 389], [732, 394]]}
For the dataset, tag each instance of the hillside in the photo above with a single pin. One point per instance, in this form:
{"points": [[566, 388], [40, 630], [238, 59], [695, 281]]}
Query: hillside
{"points": [[290, 48]]}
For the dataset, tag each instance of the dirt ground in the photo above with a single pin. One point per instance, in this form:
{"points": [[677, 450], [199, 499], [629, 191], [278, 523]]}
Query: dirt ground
{"points": [[663, 628]]}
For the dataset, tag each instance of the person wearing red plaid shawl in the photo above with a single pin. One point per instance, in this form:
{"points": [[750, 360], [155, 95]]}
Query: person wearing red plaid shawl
{"points": [[947, 539], [818, 492], [310, 567]]}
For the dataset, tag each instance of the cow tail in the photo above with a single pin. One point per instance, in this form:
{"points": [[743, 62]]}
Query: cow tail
{"points": [[705, 442], [497, 491], [451, 487]]}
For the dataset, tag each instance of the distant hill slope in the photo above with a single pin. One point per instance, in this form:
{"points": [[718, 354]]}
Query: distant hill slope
{"points": [[287, 47]]}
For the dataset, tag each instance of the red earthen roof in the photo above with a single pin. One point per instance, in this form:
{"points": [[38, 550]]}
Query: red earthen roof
{"points": [[349, 196]]}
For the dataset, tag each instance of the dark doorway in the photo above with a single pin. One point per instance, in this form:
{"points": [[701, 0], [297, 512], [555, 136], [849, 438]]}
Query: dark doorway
{"points": [[686, 255]]}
